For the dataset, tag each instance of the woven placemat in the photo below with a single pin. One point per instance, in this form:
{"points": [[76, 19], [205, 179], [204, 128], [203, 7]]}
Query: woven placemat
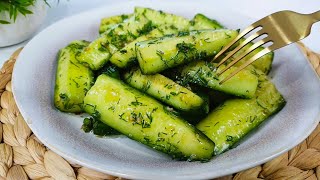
{"points": [[23, 156]]}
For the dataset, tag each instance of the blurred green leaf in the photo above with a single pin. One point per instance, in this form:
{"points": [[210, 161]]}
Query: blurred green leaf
{"points": [[4, 22], [16, 7]]}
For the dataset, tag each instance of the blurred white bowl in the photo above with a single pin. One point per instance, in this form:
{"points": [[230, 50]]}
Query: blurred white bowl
{"points": [[24, 26]]}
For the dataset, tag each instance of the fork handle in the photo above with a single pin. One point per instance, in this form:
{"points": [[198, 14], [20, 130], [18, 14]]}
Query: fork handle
{"points": [[316, 16]]}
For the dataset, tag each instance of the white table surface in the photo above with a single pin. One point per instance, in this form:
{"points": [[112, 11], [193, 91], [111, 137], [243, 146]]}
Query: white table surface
{"points": [[258, 8]]}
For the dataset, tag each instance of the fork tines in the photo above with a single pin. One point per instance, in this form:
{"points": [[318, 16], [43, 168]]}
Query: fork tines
{"points": [[240, 46], [282, 28]]}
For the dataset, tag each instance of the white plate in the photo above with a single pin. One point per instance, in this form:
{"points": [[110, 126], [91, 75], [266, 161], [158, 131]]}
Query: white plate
{"points": [[33, 84]]}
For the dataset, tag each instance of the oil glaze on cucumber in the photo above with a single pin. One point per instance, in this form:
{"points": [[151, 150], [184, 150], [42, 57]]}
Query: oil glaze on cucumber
{"points": [[145, 120]]}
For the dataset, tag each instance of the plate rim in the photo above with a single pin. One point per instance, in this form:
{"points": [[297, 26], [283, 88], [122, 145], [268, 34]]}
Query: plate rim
{"points": [[69, 157]]}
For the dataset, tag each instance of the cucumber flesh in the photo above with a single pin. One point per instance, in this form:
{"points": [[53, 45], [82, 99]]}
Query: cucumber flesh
{"points": [[165, 90], [243, 84], [127, 56], [109, 22], [161, 18], [145, 120], [166, 52], [98, 53], [73, 79], [264, 63], [200, 21], [235, 118]]}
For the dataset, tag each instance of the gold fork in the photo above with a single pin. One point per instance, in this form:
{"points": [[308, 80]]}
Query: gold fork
{"points": [[282, 28]]}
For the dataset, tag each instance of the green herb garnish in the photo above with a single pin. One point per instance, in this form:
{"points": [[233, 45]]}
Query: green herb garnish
{"points": [[97, 127]]}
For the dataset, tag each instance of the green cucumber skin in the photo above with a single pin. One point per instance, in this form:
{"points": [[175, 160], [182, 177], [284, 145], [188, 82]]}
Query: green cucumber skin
{"points": [[235, 118], [145, 120], [166, 52], [161, 18], [98, 53], [95, 55], [264, 63], [200, 21], [73, 80], [165, 90], [125, 57], [144, 20], [243, 84], [109, 22], [166, 24], [110, 70]]}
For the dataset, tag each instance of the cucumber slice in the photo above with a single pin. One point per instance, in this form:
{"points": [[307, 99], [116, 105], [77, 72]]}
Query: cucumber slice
{"points": [[165, 90], [144, 20], [127, 55], [161, 18], [243, 84], [166, 52], [110, 70], [109, 22], [200, 21], [145, 120], [73, 80], [98, 53], [235, 118], [264, 63]]}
